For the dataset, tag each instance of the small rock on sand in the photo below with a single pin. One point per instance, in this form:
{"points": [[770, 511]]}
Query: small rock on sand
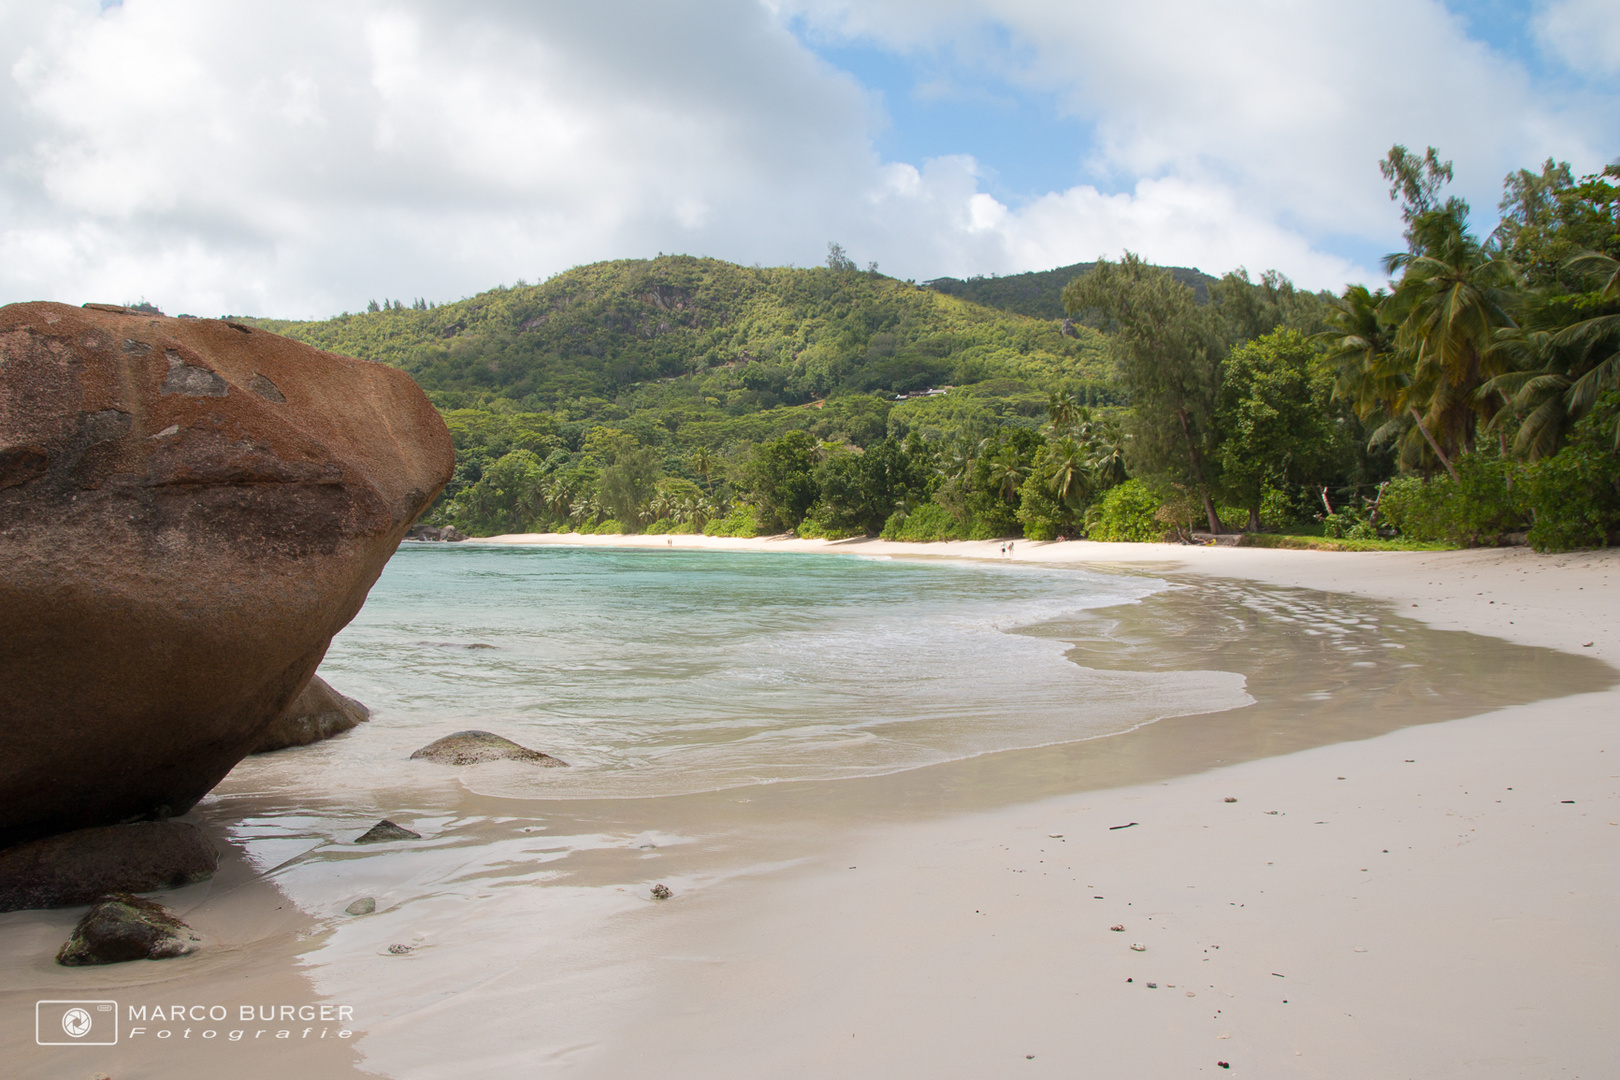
{"points": [[399, 950], [123, 927], [1137, 946], [363, 906], [386, 830], [474, 747], [1118, 928], [661, 892]]}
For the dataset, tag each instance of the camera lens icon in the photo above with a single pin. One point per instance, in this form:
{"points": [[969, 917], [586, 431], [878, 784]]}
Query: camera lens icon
{"points": [[76, 1022]]}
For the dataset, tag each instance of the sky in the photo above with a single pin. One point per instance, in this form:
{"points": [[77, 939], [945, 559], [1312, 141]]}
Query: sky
{"points": [[298, 159]]}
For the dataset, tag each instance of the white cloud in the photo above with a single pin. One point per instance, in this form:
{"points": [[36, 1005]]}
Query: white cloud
{"points": [[322, 153], [1278, 111], [1585, 34], [301, 157]]}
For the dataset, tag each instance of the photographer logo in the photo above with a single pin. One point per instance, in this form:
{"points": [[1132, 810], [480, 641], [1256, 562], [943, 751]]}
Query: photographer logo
{"points": [[76, 1023]]}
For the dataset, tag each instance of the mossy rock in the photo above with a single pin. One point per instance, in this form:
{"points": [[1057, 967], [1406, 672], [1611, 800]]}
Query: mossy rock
{"points": [[123, 927], [386, 830], [475, 747]]}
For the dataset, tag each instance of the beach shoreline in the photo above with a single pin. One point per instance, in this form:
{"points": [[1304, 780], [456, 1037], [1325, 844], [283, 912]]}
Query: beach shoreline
{"points": [[1430, 584], [1433, 902]]}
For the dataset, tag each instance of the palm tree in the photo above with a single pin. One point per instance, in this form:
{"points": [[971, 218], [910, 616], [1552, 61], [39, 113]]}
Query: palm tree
{"points": [[1064, 411], [1360, 351], [1107, 445], [703, 465], [1067, 471], [1452, 298], [1007, 472]]}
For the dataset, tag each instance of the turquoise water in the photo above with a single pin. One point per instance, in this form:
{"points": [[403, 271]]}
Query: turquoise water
{"points": [[656, 672]]}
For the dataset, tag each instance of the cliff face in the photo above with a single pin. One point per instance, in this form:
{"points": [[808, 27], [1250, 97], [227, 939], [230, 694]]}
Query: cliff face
{"points": [[189, 510]]}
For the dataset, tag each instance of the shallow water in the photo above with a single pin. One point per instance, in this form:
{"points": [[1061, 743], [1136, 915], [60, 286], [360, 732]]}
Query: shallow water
{"points": [[657, 673]]}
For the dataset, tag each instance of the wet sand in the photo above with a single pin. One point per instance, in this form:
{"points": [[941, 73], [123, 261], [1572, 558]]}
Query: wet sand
{"points": [[967, 937]]}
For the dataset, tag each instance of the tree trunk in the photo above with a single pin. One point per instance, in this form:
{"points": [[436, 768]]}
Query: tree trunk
{"points": [[1254, 518], [1439, 453], [1197, 460], [1372, 517]]}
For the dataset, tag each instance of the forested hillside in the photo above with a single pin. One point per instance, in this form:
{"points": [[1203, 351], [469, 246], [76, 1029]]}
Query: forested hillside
{"points": [[735, 338], [1039, 293], [1477, 398]]}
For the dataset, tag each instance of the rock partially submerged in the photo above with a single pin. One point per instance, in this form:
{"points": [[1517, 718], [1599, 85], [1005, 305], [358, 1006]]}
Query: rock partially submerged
{"points": [[189, 510], [474, 747], [320, 712], [449, 533], [78, 867], [363, 906], [386, 830], [124, 927]]}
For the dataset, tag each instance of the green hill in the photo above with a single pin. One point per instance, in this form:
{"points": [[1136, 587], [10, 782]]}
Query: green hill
{"points": [[1039, 294], [700, 340]]}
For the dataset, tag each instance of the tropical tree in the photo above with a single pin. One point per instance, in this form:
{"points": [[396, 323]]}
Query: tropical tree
{"points": [[1167, 351], [703, 464], [1274, 432], [781, 478], [1452, 297]]}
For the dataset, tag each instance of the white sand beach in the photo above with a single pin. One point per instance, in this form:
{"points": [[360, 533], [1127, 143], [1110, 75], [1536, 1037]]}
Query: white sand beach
{"points": [[1436, 901], [1440, 901]]}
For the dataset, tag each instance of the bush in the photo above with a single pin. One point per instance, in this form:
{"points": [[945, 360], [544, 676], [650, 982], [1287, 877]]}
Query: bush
{"points": [[1042, 516], [928, 522], [1485, 502], [1575, 494], [818, 526], [1127, 512], [610, 527], [1281, 511], [742, 521]]}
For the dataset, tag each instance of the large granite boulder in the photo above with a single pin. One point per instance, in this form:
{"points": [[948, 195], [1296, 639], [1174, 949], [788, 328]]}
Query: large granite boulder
{"points": [[78, 867], [189, 510], [320, 712]]}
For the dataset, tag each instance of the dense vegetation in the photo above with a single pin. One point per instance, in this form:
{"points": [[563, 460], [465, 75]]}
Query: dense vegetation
{"points": [[1477, 396], [1039, 294]]}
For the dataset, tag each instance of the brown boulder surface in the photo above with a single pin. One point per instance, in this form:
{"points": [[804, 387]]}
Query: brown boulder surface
{"points": [[77, 867], [189, 510], [320, 712]]}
